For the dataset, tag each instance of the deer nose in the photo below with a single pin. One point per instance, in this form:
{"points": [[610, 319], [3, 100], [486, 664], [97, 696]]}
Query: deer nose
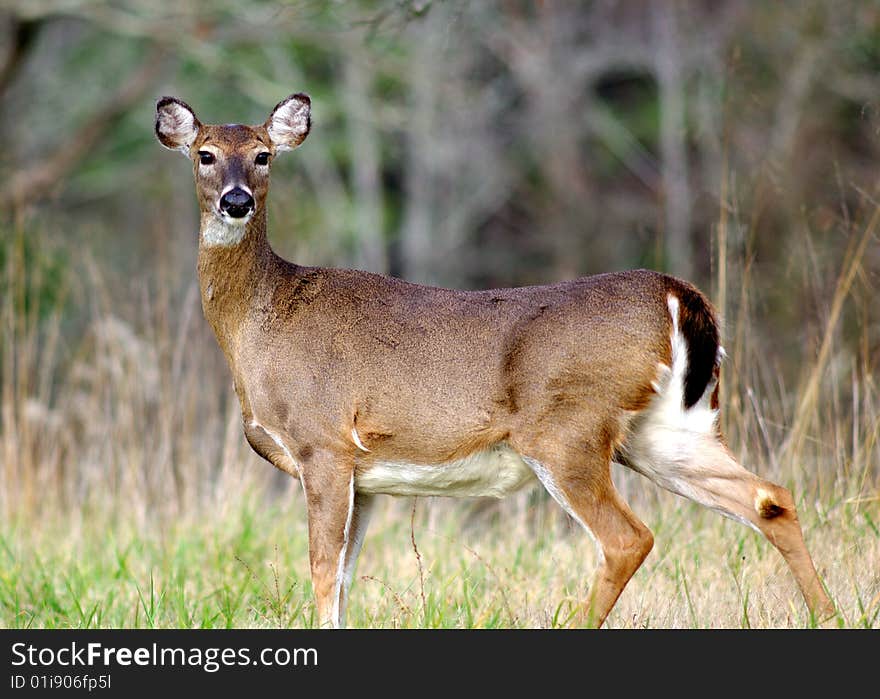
{"points": [[237, 203]]}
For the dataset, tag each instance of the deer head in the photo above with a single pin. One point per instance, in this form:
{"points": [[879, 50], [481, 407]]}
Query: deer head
{"points": [[231, 162]]}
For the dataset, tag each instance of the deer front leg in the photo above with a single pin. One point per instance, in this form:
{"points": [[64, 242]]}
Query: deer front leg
{"points": [[357, 529], [337, 521]]}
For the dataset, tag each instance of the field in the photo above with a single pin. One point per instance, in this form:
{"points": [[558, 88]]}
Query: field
{"points": [[135, 502], [245, 565]]}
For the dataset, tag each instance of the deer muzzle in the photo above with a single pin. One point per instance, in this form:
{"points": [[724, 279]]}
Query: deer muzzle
{"points": [[237, 203]]}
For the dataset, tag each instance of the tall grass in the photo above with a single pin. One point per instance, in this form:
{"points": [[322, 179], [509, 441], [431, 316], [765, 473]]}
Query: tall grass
{"points": [[128, 411], [130, 498]]}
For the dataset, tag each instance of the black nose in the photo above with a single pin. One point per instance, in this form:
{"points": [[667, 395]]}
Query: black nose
{"points": [[236, 203]]}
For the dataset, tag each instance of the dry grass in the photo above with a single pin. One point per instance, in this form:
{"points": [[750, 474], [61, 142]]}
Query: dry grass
{"points": [[247, 566], [129, 496]]}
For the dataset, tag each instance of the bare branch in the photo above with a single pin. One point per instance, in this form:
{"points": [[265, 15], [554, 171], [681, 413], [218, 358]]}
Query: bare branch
{"points": [[28, 185]]}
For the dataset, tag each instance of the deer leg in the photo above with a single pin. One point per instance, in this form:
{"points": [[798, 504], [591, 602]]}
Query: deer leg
{"points": [[773, 512], [332, 504], [770, 509], [710, 476], [588, 495], [350, 508], [360, 518]]}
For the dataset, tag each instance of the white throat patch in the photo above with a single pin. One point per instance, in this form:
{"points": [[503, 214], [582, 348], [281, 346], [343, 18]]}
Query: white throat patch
{"points": [[217, 232]]}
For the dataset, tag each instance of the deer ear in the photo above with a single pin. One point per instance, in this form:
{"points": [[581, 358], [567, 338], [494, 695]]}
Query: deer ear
{"points": [[176, 124], [290, 121]]}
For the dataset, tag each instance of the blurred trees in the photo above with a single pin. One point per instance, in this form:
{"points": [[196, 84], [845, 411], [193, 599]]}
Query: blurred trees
{"points": [[468, 144]]}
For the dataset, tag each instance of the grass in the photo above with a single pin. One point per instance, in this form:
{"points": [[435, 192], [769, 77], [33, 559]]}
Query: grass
{"points": [[247, 567]]}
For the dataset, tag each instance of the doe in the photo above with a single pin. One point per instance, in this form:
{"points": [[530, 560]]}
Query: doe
{"points": [[360, 384]]}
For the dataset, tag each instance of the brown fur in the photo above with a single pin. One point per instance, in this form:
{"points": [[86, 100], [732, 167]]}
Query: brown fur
{"points": [[766, 507], [428, 375]]}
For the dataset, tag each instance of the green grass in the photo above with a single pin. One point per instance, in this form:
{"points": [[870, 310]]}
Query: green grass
{"points": [[246, 565]]}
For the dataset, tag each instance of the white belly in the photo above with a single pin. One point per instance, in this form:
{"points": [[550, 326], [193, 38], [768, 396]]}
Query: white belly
{"points": [[495, 472]]}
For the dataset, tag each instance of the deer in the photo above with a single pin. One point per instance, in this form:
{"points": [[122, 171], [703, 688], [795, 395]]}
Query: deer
{"points": [[360, 384]]}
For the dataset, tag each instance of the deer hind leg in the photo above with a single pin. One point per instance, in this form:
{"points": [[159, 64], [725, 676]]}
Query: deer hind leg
{"points": [[676, 443], [699, 467], [582, 485]]}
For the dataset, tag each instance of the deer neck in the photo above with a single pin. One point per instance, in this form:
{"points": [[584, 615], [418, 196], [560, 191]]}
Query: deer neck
{"points": [[237, 268]]}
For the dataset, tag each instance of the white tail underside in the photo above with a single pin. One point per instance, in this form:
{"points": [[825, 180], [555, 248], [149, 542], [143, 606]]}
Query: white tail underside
{"points": [[666, 436]]}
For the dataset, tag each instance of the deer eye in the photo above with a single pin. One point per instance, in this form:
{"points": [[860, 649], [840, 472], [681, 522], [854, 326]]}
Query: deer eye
{"points": [[206, 158], [262, 159]]}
